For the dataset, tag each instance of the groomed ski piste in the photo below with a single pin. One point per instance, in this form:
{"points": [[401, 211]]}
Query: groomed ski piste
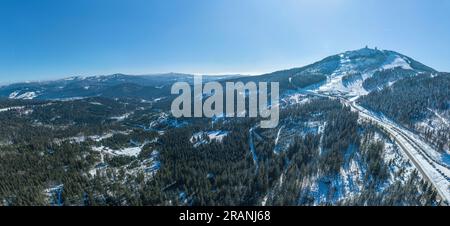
{"points": [[429, 162]]}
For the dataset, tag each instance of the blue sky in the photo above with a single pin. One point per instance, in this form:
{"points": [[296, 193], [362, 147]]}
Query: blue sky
{"points": [[49, 39]]}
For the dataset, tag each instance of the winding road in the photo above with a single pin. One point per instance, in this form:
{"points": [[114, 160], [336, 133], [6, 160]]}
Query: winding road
{"points": [[422, 155]]}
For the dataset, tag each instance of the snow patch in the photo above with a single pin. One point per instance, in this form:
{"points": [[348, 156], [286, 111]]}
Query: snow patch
{"points": [[11, 108], [23, 96], [199, 138], [396, 62], [122, 117], [130, 151]]}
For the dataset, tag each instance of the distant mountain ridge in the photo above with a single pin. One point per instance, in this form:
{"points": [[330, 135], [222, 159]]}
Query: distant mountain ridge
{"points": [[352, 73], [104, 85]]}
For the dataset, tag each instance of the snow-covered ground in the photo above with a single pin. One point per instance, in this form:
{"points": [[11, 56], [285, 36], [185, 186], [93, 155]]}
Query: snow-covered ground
{"points": [[278, 135], [199, 138], [148, 166], [130, 151], [346, 67], [96, 138], [440, 117], [11, 108], [396, 61], [359, 62], [121, 117], [350, 181], [296, 98], [427, 160], [252, 148], [24, 96], [20, 109], [54, 195], [96, 103], [432, 164], [435, 129]]}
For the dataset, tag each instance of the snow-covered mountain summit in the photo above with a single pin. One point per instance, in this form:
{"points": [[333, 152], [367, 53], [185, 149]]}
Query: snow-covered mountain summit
{"points": [[358, 72], [352, 73]]}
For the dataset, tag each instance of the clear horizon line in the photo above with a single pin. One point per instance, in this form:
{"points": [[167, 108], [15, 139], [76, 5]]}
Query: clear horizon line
{"points": [[137, 74], [243, 73]]}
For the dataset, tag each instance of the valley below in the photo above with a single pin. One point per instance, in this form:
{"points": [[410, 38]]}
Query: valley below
{"points": [[366, 127]]}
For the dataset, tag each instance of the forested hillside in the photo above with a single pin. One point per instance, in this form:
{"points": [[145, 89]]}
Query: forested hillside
{"points": [[420, 103], [173, 166], [112, 140]]}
